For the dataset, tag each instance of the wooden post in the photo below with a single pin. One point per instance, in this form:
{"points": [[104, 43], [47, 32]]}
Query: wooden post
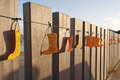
{"points": [[102, 59], [98, 55], [119, 47], [116, 48], [111, 51], [76, 55], [37, 67], [62, 20], [93, 53], [112, 55], [105, 54], [9, 69], [86, 53]]}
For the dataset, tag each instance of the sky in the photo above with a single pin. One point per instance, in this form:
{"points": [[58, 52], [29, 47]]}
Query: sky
{"points": [[103, 13]]}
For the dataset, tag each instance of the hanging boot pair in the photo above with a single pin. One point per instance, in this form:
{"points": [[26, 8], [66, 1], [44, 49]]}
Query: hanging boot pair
{"points": [[77, 41], [64, 43], [93, 41], [97, 42], [14, 50], [89, 41], [70, 39], [52, 39]]}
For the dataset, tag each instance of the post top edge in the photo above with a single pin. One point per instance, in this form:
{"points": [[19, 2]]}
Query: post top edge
{"points": [[35, 4]]}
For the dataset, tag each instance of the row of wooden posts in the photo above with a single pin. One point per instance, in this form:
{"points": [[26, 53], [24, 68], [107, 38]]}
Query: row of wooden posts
{"points": [[83, 63]]}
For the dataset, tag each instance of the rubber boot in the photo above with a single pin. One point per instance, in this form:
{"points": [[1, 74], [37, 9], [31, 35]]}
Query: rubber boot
{"points": [[101, 43], [11, 47], [64, 42], [89, 41], [110, 41], [52, 39], [77, 44], [96, 41], [70, 39], [17, 46]]}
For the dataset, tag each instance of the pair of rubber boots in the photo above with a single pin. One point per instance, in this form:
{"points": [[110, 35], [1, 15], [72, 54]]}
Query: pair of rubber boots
{"points": [[70, 39], [93, 41], [13, 49], [52, 39]]}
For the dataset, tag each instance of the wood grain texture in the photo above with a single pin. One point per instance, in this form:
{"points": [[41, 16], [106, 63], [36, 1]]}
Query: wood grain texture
{"points": [[64, 58], [119, 48], [111, 52], [102, 54], [113, 59], [106, 53], [87, 54], [77, 54], [98, 56], [93, 53], [40, 67], [116, 48], [9, 70], [117, 35]]}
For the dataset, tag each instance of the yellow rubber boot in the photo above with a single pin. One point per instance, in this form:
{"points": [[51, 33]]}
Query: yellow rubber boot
{"points": [[17, 46], [78, 44]]}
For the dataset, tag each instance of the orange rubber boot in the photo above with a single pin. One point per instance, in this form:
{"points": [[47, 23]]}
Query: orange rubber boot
{"points": [[89, 41], [101, 43], [52, 39], [70, 39]]}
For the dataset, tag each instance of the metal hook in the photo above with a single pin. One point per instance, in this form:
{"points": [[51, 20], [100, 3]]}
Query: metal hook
{"points": [[16, 19], [66, 31]]}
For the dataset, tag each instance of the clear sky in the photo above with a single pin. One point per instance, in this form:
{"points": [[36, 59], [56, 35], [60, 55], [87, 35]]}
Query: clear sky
{"points": [[103, 13]]}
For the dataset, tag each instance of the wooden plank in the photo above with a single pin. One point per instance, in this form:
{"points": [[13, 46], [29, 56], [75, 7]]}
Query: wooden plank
{"points": [[102, 54], [111, 51], [106, 54], [64, 58], [115, 51], [86, 52], [36, 67], [77, 53], [55, 57], [118, 48], [93, 53], [116, 35], [72, 53], [98, 56], [9, 70]]}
